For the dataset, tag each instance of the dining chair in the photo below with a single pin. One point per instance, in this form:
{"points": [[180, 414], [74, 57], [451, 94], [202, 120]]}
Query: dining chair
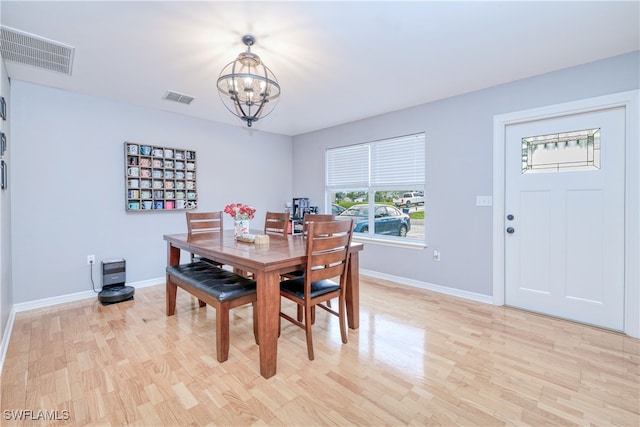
{"points": [[276, 223], [297, 273], [327, 256], [204, 222], [317, 218], [307, 219]]}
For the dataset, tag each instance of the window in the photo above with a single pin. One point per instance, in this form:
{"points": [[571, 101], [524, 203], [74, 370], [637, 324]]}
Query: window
{"points": [[380, 185], [569, 151]]}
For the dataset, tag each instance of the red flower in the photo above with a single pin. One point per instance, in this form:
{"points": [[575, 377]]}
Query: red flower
{"points": [[240, 211]]}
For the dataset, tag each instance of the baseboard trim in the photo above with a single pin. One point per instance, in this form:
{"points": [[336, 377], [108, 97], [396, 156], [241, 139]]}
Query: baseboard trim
{"points": [[473, 296], [4, 344], [47, 302]]}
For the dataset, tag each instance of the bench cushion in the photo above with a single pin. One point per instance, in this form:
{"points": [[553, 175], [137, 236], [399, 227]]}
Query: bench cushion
{"points": [[221, 284]]}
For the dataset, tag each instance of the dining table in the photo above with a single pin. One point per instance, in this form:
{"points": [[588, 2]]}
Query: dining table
{"points": [[266, 262]]}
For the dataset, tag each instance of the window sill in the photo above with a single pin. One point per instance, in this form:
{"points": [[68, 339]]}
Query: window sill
{"points": [[395, 243]]}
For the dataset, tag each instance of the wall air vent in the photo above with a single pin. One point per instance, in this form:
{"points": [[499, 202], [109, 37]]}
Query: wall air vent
{"points": [[178, 97], [24, 48]]}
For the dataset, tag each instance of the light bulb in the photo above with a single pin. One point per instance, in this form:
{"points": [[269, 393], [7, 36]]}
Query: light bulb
{"points": [[231, 85]]}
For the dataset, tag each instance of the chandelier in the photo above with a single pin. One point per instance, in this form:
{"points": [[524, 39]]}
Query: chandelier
{"points": [[247, 87]]}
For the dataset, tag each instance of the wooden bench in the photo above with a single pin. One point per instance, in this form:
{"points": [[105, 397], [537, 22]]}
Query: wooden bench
{"points": [[217, 287]]}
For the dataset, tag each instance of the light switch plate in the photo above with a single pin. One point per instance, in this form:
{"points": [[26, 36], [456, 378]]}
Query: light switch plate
{"points": [[484, 201]]}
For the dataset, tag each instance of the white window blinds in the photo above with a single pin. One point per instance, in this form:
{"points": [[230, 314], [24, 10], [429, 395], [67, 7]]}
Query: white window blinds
{"points": [[397, 162], [348, 167]]}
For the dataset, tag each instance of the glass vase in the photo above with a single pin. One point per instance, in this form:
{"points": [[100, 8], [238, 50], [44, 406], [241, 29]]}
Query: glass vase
{"points": [[241, 227]]}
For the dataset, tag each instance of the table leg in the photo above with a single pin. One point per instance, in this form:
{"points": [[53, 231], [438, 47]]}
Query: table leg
{"points": [[268, 289], [171, 291], [173, 255], [352, 295], [173, 258]]}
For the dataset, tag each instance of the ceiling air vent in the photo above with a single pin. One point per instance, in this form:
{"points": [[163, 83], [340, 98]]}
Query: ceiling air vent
{"points": [[178, 97], [24, 48]]}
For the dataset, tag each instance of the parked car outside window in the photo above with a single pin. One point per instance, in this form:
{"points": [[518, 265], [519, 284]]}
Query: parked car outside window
{"points": [[410, 198], [337, 209], [387, 220]]}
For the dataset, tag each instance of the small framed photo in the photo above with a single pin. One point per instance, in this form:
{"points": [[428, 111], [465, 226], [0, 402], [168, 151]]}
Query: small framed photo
{"points": [[3, 175], [3, 143], [3, 108]]}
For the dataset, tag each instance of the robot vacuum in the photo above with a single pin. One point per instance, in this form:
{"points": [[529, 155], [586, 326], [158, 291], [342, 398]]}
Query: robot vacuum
{"points": [[114, 294], [113, 282]]}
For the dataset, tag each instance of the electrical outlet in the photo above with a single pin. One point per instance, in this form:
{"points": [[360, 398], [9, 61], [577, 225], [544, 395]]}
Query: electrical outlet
{"points": [[91, 259], [436, 255]]}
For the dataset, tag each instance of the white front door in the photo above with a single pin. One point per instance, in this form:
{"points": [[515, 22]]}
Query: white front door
{"points": [[564, 218]]}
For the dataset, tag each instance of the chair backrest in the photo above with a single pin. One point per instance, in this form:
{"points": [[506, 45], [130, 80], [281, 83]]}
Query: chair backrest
{"points": [[276, 223], [319, 217], [200, 222], [327, 250], [316, 218]]}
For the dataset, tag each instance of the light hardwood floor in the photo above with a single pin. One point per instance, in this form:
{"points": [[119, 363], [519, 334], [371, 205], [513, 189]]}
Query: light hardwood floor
{"points": [[419, 358]]}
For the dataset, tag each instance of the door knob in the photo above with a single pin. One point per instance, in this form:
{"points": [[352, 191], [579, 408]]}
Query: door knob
{"points": [[510, 217], [510, 230]]}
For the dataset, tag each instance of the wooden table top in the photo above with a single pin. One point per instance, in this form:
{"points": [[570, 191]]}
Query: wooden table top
{"points": [[281, 253]]}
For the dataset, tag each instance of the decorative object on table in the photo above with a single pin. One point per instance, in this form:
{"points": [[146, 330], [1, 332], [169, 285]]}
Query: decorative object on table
{"points": [[247, 87], [241, 227], [246, 238], [258, 239], [261, 240], [157, 167], [241, 214]]}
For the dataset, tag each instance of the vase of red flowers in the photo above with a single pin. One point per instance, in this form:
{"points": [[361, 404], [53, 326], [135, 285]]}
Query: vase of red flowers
{"points": [[241, 214]]}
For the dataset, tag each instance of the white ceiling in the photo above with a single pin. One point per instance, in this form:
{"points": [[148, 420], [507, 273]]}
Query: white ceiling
{"points": [[336, 61]]}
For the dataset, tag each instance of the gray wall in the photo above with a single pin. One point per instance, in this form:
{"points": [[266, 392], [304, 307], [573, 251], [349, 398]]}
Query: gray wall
{"points": [[459, 134], [67, 180]]}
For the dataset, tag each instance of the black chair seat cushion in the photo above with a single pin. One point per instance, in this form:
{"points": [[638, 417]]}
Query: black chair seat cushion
{"points": [[210, 261], [295, 273], [296, 287], [222, 284]]}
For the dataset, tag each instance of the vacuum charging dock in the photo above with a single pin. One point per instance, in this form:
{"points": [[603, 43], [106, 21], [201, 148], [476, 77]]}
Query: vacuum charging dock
{"points": [[114, 277]]}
